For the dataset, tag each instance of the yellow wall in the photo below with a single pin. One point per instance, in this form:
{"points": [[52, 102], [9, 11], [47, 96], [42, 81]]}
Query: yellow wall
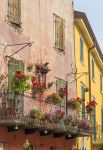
{"points": [[95, 85]]}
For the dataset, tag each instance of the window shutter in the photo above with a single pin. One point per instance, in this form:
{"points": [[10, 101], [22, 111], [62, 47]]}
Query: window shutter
{"points": [[92, 69], [94, 124], [83, 103], [63, 35], [14, 65], [14, 11], [57, 29], [81, 50], [59, 33], [61, 84], [100, 82], [102, 118]]}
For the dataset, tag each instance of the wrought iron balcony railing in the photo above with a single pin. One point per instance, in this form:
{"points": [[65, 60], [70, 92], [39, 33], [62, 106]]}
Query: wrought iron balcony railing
{"points": [[15, 110], [98, 134]]}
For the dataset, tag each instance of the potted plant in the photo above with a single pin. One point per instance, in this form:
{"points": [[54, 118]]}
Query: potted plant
{"points": [[54, 117], [35, 113], [42, 68], [55, 98], [62, 92], [20, 82], [68, 120], [85, 124], [58, 116], [91, 106]]}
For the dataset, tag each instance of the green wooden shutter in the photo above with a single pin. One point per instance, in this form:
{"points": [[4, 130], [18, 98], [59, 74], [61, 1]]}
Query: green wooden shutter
{"points": [[93, 69], [94, 120], [61, 84], [100, 82], [81, 50], [83, 103], [14, 65], [102, 119]]}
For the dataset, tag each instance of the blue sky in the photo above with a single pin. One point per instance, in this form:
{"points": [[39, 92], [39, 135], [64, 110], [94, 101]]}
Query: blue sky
{"points": [[94, 12]]}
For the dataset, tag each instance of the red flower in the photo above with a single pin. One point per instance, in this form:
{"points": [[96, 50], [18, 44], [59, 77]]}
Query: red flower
{"points": [[44, 85], [18, 72], [35, 83]]}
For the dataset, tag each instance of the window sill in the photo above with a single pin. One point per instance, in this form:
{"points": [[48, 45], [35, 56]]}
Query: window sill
{"points": [[82, 62], [59, 50], [94, 80], [18, 27]]}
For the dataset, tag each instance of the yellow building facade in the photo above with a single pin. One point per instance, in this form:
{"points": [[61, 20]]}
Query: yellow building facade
{"points": [[89, 74]]}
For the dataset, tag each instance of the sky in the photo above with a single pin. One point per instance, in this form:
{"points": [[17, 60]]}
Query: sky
{"points": [[94, 12]]}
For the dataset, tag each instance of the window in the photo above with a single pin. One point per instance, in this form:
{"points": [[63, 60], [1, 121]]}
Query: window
{"points": [[81, 50], [59, 33], [83, 97], [14, 11], [93, 74], [1, 146], [100, 82], [61, 84]]}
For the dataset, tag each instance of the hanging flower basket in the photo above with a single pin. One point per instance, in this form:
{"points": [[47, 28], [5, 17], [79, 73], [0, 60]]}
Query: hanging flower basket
{"points": [[62, 92], [53, 98], [20, 82], [90, 107], [42, 68], [74, 103]]}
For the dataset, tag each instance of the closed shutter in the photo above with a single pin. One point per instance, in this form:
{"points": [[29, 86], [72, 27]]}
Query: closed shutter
{"points": [[59, 33], [14, 11], [61, 84], [94, 118], [100, 82], [83, 103], [81, 50], [102, 118], [14, 65], [57, 29]]}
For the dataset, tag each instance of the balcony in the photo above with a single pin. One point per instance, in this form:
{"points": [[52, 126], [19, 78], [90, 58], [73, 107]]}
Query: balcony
{"points": [[15, 111], [98, 135]]}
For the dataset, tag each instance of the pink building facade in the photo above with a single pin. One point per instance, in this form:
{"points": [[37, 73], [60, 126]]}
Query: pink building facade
{"points": [[35, 32]]}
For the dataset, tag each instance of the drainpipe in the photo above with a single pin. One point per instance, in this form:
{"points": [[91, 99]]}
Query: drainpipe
{"points": [[89, 73]]}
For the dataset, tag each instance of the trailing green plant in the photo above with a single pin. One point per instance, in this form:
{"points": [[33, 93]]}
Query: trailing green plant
{"points": [[35, 113], [68, 119], [19, 83]]}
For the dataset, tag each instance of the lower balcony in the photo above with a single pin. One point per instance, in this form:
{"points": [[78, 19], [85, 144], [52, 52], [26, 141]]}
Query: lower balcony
{"points": [[15, 114], [98, 135]]}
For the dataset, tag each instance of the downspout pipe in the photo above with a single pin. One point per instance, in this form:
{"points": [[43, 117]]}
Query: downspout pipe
{"points": [[89, 70], [89, 74]]}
